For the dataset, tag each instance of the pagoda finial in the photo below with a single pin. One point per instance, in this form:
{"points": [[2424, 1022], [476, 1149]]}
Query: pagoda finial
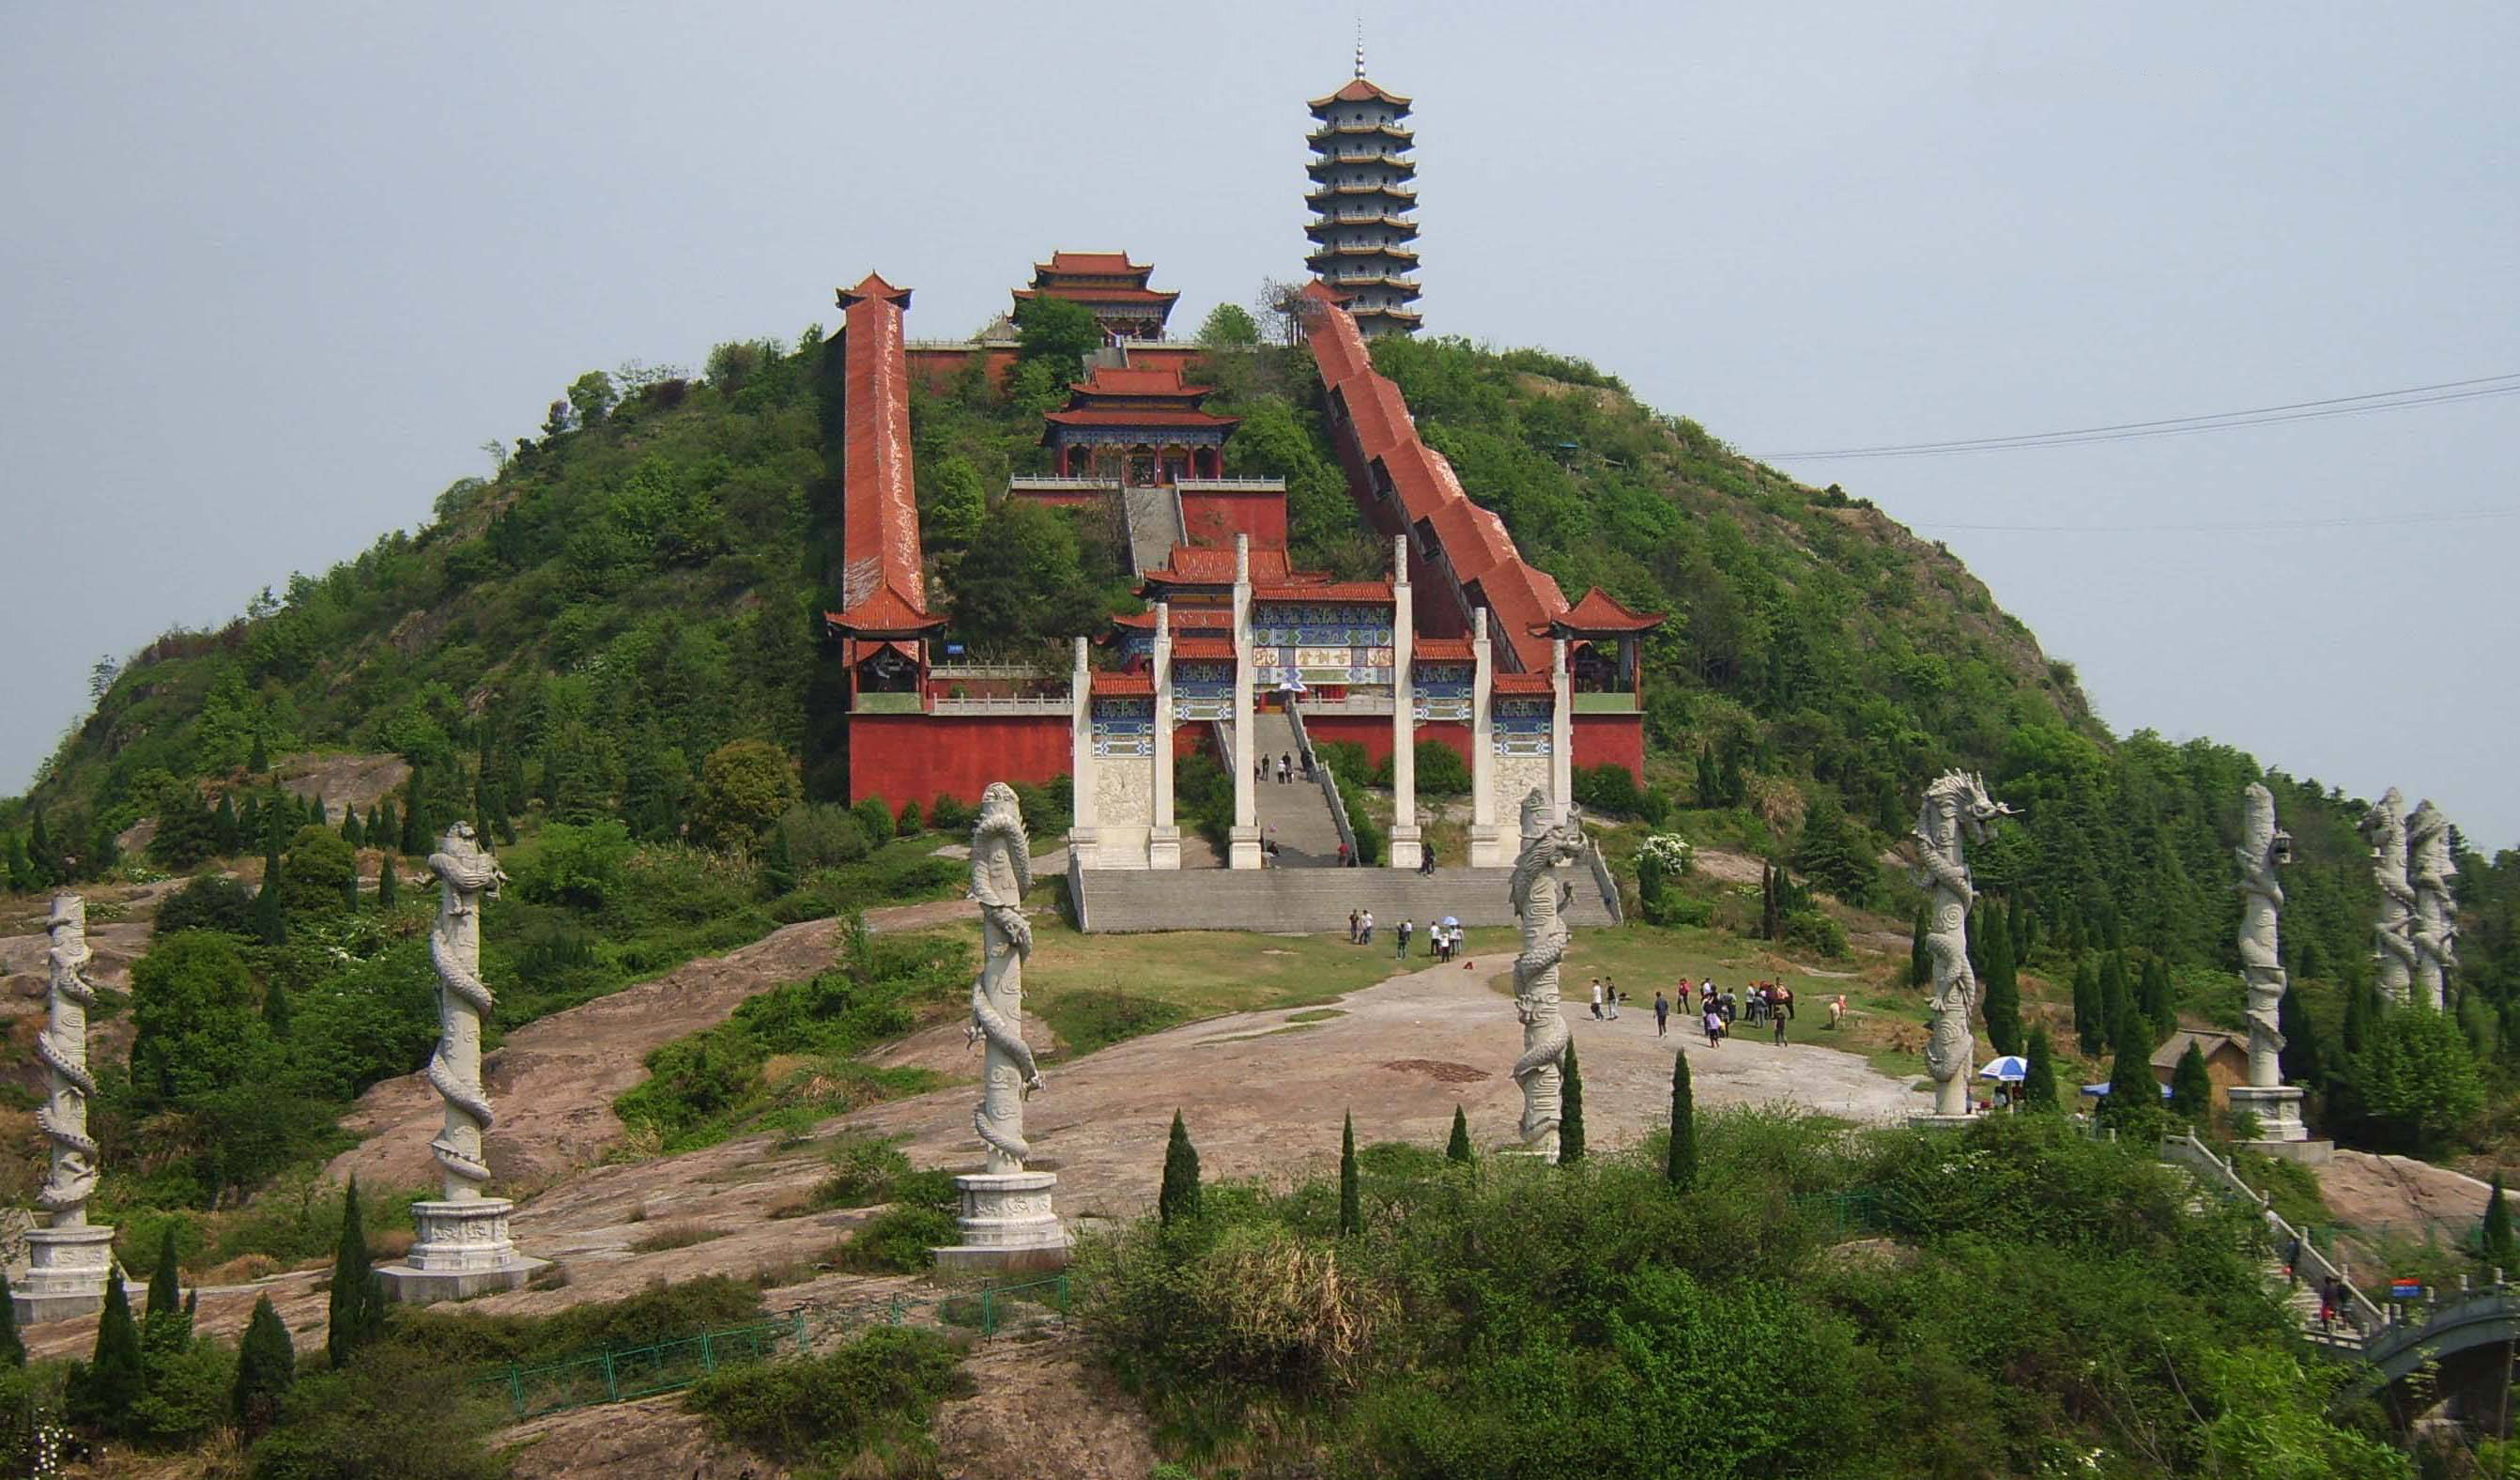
{"points": [[1359, 46]]}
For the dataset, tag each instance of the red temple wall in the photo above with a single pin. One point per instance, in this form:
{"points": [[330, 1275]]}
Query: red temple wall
{"points": [[936, 367], [1212, 518], [1603, 740], [907, 757]]}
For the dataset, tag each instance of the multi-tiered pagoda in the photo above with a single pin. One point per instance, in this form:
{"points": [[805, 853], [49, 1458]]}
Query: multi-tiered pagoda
{"points": [[1361, 200]]}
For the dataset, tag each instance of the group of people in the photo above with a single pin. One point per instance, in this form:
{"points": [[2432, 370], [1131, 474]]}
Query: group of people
{"points": [[1286, 765], [1443, 938]]}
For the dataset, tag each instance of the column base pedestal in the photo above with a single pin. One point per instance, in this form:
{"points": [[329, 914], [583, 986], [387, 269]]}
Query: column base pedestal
{"points": [[463, 1250], [1487, 846], [1242, 848], [1931, 1122], [1086, 845], [66, 1276], [1007, 1226], [1163, 848], [2276, 1106]]}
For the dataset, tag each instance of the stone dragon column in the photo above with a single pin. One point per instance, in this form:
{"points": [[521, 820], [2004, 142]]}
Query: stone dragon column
{"points": [[2263, 847], [2436, 925], [1540, 899], [462, 1248], [1957, 811], [1007, 1220], [2393, 933], [69, 1262]]}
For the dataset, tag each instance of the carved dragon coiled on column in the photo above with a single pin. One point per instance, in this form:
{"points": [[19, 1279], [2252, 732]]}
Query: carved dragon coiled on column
{"points": [[63, 1048], [2393, 933], [2263, 848], [464, 872], [2436, 926], [1540, 900], [1957, 811], [1000, 873]]}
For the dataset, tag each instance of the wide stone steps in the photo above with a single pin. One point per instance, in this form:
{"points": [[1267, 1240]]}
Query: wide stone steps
{"points": [[1312, 899], [1294, 815], [1153, 520]]}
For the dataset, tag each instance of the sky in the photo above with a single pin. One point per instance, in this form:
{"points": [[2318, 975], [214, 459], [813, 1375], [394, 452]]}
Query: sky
{"points": [[270, 274]]}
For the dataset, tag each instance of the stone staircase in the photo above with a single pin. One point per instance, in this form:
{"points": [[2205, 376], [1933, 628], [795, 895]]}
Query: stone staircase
{"points": [[1152, 516], [1310, 900], [1293, 815]]}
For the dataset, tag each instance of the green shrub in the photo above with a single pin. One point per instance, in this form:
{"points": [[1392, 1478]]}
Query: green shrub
{"points": [[902, 1239], [874, 818], [822, 835], [1817, 931], [1096, 1017], [875, 1394], [211, 902]]}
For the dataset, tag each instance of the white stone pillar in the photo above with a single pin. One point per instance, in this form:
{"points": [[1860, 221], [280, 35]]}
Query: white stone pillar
{"points": [[1082, 836], [1164, 838], [1487, 844], [1562, 733], [1405, 834], [1243, 841]]}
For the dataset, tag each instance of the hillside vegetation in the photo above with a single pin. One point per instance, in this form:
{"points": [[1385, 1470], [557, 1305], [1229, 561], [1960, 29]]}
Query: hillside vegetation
{"points": [[617, 635]]}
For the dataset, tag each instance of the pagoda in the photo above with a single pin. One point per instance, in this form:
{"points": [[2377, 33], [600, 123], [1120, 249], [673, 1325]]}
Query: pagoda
{"points": [[1110, 286], [1361, 200], [883, 622]]}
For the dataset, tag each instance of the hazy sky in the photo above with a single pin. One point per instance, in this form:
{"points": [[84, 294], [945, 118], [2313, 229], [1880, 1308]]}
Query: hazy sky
{"points": [[270, 273]]}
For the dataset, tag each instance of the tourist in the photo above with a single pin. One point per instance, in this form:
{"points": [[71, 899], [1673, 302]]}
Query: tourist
{"points": [[1400, 950], [1610, 997], [1778, 1022], [2292, 1261], [1426, 857], [1662, 1014], [1366, 938], [1285, 769], [1732, 1009], [1260, 769], [1305, 760], [1837, 1010], [1597, 997], [1785, 997], [1351, 915], [1714, 1027], [1342, 855]]}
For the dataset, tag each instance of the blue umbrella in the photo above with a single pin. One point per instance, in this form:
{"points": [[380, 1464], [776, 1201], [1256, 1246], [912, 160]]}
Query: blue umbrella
{"points": [[2011, 1068]]}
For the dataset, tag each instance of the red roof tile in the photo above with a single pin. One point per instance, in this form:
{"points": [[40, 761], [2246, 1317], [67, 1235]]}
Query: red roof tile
{"points": [[1210, 566], [1204, 647], [1377, 592], [1205, 618], [1088, 294], [1152, 381], [1138, 415], [1123, 686], [1601, 612], [1360, 91], [1440, 649], [884, 583], [1523, 682], [1097, 264]]}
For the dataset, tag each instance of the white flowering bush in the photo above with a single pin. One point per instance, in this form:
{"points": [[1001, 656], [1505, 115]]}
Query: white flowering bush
{"points": [[1670, 854]]}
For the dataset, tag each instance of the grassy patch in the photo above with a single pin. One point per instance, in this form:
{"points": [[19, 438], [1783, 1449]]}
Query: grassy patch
{"points": [[1316, 1015], [862, 1408], [681, 1234]]}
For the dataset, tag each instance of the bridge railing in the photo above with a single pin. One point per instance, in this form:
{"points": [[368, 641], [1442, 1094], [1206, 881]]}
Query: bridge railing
{"points": [[2225, 1179], [1322, 777]]}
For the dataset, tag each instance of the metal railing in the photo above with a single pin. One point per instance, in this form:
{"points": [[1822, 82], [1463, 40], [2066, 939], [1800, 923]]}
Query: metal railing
{"points": [[1262, 484], [1038, 483], [946, 673], [1327, 783], [615, 1376], [1606, 882], [2224, 1179], [1010, 703]]}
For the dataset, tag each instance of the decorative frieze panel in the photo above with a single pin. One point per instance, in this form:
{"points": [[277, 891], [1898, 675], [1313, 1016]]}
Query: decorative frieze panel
{"points": [[1124, 727], [1522, 726], [1442, 691], [1203, 690]]}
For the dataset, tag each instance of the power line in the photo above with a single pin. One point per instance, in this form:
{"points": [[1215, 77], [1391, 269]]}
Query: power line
{"points": [[2445, 392], [2464, 516]]}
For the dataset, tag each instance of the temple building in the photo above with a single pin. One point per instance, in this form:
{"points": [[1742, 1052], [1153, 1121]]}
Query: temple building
{"points": [[1109, 285], [1361, 200], [1238, 654]]}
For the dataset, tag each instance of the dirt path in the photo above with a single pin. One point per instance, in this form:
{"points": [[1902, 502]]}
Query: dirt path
{"points": [[1264, 1093], [554, 1079]]}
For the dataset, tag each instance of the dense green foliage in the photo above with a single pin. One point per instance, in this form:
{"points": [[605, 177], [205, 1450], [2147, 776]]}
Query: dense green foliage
{"points": [[1570, 1127], [355, 1308], [266, 1367], [1510, 1320], [874, 1392], [1178, 1198], [1679, 1157]]}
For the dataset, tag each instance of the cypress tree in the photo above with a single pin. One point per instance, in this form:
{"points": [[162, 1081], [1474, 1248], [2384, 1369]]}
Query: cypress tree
{"points": [[40, 851], [102, 1391], [353, 831], [2362, 1012], [355, 1313], [2115, 1000], [1921, 961], [2133, 1094], [375, 827], [266, 1365], [388, 885], [1351, 1199], [225, 827], [274, 1010], [270, 912], [350, 889], [1178, 1198], [1710, 788], [162, 1327], [2160, 1005], [2039, 1088], [2003, 988], [777, 864], [1679, 1163], [2025, 929], [2091, 1019], [1458, 1147], [1570, 1125], [2191, 1091], [2496, 1234], [22, 866], [259, 760], [415, 818], [2302, 1056], [504, 824], [13, 1347]]}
